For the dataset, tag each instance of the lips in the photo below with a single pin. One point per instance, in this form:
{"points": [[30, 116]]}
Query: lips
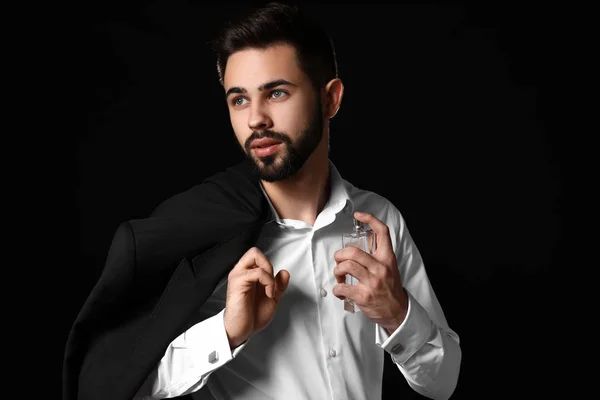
{"points": [[266, 151], [265, 142]]}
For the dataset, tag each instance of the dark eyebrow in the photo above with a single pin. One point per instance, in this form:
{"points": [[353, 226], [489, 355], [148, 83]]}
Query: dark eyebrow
{"points": [[264, 86]]}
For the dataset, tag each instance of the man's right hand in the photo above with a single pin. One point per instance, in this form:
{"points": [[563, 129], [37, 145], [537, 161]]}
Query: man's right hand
{"points": [[252, 296]]}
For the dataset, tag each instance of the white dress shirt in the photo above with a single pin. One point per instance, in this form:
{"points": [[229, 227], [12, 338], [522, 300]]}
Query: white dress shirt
{"points": [[313, 349]]}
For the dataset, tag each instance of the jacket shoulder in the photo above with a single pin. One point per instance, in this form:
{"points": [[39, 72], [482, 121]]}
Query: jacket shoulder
{"points": [[235, 189]]}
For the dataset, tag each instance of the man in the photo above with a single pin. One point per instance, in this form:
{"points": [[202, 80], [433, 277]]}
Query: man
{"points": [[275, 327]]}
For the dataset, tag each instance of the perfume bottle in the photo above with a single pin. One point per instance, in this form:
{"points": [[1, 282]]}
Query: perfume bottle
{"points": [[364, 239]]}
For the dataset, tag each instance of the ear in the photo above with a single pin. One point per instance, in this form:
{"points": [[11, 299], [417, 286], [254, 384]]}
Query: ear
{"points": [[334, 91]]}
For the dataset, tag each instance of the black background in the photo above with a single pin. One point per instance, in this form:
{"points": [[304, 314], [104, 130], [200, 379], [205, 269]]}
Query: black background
{"points": [[447, 112]]}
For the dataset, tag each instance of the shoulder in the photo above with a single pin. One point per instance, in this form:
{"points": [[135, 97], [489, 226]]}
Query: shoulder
{"points": [[374, 203], [181, 202], [380, 207], [235, 189]]}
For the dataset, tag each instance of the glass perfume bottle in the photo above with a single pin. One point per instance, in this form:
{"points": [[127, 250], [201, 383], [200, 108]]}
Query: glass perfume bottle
{"points": [[364, 239]]}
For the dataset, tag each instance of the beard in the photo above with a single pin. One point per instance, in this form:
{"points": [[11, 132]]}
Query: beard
{"points": [[291, 156]]}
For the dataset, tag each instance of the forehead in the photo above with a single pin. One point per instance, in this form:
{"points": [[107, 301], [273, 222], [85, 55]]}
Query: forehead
{"points": [[249, 68]]}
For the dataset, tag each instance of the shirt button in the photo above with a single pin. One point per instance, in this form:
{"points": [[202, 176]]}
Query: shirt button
{"points": [[323, 292], [332, 352]]}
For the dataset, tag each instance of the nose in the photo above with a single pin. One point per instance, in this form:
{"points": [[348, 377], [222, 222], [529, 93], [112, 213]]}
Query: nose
{"points": [[259, 118]]}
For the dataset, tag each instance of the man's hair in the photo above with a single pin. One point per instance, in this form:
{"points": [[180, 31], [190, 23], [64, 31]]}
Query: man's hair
{"points": [[277, 23]]}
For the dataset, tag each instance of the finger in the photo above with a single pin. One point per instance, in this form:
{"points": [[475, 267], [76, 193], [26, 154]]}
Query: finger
{"points": [[353, 268], [353, 254], [381, 230], [253, 258], [258, 275], [282, 281], [345, 291]]}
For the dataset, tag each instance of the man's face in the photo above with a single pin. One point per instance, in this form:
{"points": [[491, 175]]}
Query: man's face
{"points": [[270, 97]]}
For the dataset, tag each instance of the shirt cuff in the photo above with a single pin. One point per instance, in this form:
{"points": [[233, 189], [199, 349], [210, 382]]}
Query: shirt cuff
{"points": [[409, 337], [208, 342]]}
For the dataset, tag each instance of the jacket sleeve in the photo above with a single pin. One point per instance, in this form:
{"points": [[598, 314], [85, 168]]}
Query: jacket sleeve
{"points": [[95, 329]]}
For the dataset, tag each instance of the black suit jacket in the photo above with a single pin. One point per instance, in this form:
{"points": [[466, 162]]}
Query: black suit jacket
{"points": [[158, 272]]}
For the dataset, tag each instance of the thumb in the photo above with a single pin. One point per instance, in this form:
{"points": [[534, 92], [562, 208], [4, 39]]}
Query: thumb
{"points": [[282, 279]]}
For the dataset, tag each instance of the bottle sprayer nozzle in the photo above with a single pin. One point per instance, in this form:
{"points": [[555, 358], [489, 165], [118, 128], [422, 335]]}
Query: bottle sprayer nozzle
{"points": [[358, 226]]}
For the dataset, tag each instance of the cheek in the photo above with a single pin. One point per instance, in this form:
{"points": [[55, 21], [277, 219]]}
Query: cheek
{"points": [[240, 128], [292, 119]]}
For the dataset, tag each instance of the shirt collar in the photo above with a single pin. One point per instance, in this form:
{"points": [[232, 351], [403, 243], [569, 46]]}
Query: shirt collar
{"points": [[339, 199]]}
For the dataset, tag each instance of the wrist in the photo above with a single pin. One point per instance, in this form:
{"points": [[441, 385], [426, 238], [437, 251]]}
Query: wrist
{"points": [[391, 328], [393, 324], [234, 340]]}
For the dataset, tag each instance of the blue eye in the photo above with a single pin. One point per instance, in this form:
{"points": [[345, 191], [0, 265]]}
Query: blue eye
{"points": [[237, 103], [280, 92]]}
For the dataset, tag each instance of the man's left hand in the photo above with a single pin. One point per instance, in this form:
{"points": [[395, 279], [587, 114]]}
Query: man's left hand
{"points": [[379, 293]]}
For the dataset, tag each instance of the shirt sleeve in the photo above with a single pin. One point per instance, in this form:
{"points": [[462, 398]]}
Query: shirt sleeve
{"points": [[189, 360], [425, 349]]}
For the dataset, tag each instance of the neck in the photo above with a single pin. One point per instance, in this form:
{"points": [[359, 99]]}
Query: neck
{"points": [[303, 196]]}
